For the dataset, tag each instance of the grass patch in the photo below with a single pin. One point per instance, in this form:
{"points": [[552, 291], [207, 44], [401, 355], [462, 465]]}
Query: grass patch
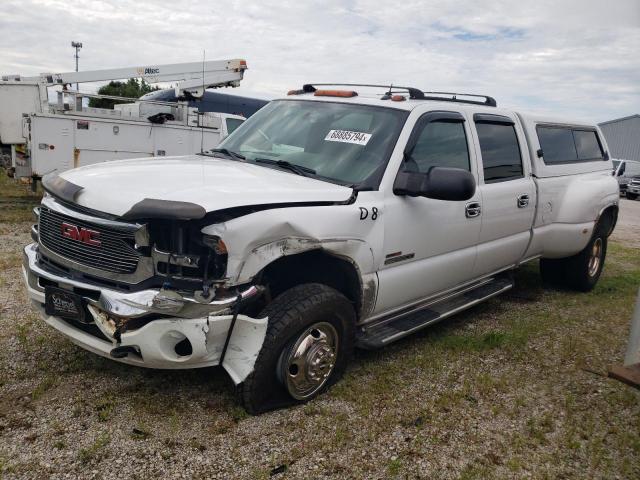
{"points": [[11, 188], [85, 455], [9, 261], [16, 200], [394, 467], [480, 343], [104, 409], [16, 213], [46, 384]]}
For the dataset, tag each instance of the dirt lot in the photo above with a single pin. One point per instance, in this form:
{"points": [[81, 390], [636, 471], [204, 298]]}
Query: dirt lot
{"points": [[515, 388], [628, 229]]}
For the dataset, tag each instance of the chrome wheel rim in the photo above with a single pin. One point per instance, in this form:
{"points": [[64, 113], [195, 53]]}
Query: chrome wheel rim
{"points": [[596, 257], [306, 367]]}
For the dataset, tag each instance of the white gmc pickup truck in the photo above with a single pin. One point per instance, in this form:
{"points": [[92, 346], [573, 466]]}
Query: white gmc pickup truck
{"points": [[330, 219]]}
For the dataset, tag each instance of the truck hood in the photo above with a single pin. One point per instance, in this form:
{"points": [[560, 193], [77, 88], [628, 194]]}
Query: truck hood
{"points": [[144, 187]]}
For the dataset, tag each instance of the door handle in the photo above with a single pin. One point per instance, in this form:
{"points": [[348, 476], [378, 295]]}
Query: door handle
{"points": [[523, 200], [473, 209]]}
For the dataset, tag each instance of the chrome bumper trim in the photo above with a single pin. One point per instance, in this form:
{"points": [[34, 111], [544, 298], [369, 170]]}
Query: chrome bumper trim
{"points": [[134, 304]]}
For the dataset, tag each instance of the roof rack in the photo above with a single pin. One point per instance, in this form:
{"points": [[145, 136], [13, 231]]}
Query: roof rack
{"points": [[488, 101], [414, 93]]}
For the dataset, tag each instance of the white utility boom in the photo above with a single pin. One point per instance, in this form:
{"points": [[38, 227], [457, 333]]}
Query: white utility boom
{"points": [[192, 78]]}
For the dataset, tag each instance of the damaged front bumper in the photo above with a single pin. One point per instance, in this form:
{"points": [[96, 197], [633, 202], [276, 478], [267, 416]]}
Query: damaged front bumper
{"points": [[176, 331]]}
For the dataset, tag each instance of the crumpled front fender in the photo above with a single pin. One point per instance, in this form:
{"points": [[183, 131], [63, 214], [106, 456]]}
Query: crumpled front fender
{"points": [[254, 241]]}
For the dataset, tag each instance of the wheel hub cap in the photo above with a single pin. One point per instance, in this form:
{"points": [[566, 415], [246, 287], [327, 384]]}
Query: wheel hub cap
{"points": [[307, 366], [595, 258]]}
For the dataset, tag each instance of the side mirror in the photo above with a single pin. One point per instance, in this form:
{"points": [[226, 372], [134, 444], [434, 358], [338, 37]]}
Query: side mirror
{"points": [[439, 183]]}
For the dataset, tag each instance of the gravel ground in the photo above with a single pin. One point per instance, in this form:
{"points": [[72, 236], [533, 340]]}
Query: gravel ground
{"points": [[628, 228], [515, 388]]}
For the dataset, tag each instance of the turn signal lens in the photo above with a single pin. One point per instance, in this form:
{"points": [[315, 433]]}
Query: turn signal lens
{"points": [[214, 242], [220, 248]]}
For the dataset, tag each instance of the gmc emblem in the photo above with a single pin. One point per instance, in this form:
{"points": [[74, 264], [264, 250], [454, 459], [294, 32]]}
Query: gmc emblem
{"points": [[80, 234]]}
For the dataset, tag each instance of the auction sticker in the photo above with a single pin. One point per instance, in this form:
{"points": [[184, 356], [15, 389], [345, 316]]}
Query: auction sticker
{"points": [[347, 136]]}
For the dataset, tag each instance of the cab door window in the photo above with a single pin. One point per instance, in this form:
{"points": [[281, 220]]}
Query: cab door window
{"points": [[438, 141]]}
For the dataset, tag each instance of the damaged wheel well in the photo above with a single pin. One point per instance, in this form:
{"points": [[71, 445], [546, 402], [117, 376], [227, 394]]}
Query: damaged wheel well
{"points": [[314, 266]]}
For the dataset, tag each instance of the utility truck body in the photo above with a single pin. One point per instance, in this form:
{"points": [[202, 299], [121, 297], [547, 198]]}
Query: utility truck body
{"points": [[61, 142]]}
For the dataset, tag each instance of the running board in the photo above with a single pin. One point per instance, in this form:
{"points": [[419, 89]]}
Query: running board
{"points": [[386, 331]]}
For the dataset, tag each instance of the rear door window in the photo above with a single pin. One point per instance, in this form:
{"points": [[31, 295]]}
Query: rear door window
{"points": [[501, 158]]}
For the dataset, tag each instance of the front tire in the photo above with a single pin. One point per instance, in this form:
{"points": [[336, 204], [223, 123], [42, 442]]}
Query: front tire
{"points": [[632, 196], [580, 272], [308, 344]]}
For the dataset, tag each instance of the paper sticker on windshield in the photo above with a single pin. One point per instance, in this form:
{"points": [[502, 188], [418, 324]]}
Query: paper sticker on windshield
{"points": [[347, 136]]}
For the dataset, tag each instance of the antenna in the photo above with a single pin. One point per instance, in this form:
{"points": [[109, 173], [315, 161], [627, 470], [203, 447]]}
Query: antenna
{"points": [[387, 95], [200, 113]]}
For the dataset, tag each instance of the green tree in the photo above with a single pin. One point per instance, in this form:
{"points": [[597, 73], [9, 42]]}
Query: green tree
{"points": [[132, 88]]}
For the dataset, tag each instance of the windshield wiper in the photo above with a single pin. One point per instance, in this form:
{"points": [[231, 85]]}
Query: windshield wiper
{"points": [[228, 153], [292, 167]]}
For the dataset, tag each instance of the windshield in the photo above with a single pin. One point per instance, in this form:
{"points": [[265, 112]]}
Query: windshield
{"points": [[345, 143]]}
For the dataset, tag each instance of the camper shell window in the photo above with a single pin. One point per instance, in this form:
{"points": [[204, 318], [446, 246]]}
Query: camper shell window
{"points": [[562, 145]]}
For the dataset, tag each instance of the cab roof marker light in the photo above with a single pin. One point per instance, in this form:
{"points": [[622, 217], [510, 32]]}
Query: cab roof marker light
{"points": [[335, 93], [398, 98]]}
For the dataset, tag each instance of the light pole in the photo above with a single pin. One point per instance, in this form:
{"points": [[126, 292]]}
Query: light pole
{"points": [[77, 46]]}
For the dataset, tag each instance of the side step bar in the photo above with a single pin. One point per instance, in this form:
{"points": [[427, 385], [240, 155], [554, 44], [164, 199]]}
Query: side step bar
{"points": [[386, 331]]}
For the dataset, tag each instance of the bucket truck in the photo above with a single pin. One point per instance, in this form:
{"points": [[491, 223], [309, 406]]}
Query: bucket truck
{"points": [[46, 137]]}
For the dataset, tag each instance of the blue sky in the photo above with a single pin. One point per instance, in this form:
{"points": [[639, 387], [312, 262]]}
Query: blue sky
{"points": [[565, 58]]}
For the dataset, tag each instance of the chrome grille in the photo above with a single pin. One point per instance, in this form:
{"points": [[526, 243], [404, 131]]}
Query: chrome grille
{"points": [[115, 254]]}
